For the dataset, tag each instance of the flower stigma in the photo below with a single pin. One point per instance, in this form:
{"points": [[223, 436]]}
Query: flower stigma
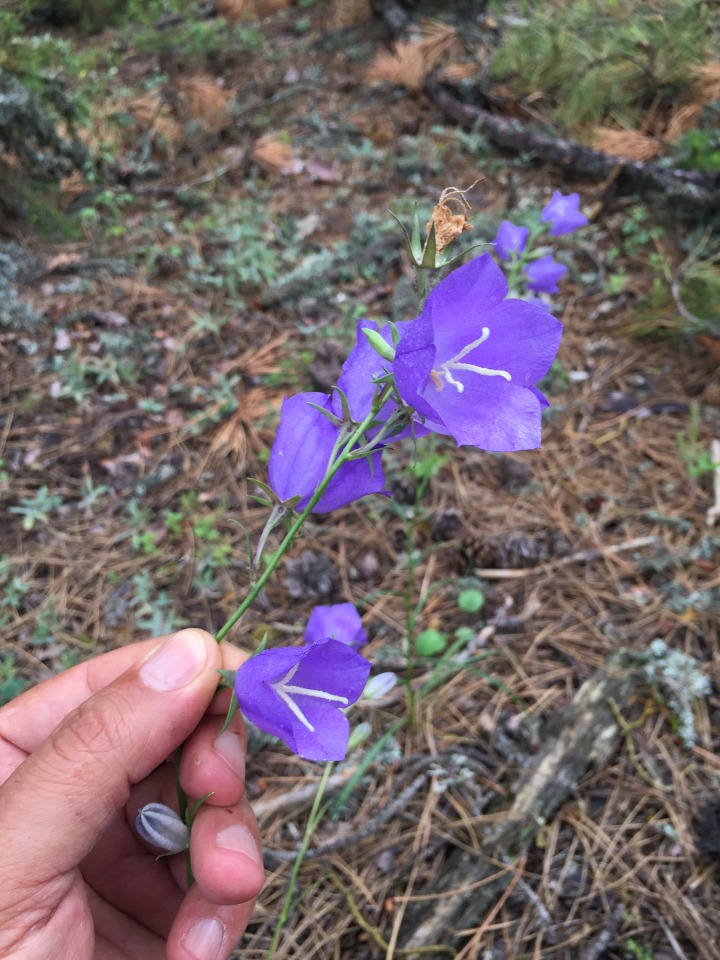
{"points": [[283, 689], [456, 363]]}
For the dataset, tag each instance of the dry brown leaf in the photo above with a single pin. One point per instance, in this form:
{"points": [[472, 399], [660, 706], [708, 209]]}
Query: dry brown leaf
{"points": [[456, 72], [154, 115], [349, 13], [708, 83], [275, 155], [412, 60], [201, 100], [625, 143], [448, 225], [681, 120], [236, 10], [233, 10]]}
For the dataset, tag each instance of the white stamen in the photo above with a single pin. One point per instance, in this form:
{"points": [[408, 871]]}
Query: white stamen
{"points": [[283, 689], [456, 364]]}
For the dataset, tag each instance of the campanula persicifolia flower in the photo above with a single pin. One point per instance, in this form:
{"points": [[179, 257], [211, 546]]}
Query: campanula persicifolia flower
{"points": [[339, 621], [510, 240], [563, 214], [543, 274], [300, 455], [298, 694], [472, 358]]}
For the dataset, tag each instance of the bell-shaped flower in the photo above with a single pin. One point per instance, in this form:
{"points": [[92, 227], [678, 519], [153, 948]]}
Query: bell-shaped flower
{"points": [[301, 452], [510, 240], [339, 621], [299, 693], [543, 274], [563, 214], [472, 358]]}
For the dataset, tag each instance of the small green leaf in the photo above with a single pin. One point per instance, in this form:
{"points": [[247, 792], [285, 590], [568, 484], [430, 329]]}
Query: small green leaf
{"points": [[430, 643], [471, 600]]}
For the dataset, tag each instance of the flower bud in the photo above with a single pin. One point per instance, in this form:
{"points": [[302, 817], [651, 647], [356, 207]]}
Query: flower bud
{"points": [[379, 686], [379, 345], [162, 827], [358, 735]]}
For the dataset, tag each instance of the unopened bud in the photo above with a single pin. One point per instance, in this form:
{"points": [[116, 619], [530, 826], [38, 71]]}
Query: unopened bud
{"points": [[162, 827], [358, 735], [379, 686], [379, 344]]}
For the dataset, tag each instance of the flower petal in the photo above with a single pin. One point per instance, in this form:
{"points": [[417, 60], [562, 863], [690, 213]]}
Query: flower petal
{"points": [[339, 621]]}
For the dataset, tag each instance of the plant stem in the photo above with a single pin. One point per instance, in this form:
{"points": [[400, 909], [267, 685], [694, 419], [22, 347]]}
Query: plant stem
{"points": [[313, 820], [335, 464]]}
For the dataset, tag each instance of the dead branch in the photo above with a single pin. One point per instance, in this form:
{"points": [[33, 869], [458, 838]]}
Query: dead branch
{"points": [[685, 187], [584, 735]]}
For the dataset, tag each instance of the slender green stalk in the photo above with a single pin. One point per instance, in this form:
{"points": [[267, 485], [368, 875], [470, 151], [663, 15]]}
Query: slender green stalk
{"points": [[314, 818], [342, 458]]}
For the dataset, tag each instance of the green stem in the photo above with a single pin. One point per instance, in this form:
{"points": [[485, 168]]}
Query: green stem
{"points": [[313, 820], [335, 464]]}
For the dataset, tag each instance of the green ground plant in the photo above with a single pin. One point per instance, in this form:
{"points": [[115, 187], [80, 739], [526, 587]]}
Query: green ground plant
{"points": [[597, 59]]}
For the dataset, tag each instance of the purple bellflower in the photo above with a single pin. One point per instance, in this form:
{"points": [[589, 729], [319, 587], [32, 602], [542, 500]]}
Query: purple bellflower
{"points": [[510, 240], [301, 452], [543, 274], [340, 621], [563, 214], [472, 358], [298, 694]]}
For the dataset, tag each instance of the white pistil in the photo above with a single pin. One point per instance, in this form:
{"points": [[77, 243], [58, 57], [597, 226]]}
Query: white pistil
{"points": [[283, 689], [456, 364]]}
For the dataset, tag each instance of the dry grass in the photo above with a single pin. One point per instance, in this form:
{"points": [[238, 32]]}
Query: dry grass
{"points": [[410, 61]]}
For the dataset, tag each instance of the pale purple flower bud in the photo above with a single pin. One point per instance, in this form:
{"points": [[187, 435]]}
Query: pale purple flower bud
{"points": [[510, 240], [543, 274], [563, 214], [379, 686], [162, 827]]}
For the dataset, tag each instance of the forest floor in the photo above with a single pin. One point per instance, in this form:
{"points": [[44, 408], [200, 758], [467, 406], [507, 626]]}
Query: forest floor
{"points": [[228, 272]]}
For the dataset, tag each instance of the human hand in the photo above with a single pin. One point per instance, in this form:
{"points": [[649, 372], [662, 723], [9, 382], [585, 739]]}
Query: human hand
{"points": [[80, 754]]}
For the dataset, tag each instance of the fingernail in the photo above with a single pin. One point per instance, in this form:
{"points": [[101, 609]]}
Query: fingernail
{"points": [[178, 661], [240, 840], [228, 747], [204, 939]]}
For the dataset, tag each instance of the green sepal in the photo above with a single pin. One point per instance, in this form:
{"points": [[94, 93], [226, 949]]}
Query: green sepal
{"points": [[429, 253], [328, 414], [227, 681], [416, 247], [345, 406], [232, 710]]}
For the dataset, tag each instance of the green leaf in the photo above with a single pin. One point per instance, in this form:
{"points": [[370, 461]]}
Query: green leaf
{"points": [[430, 643], [471, 600]]}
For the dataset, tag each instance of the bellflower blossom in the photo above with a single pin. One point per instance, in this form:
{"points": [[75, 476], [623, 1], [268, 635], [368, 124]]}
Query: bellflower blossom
{"points": [[298, 694], [340, 621], [510, 240], [472, 358], [563, 214], [301, 452], [543, 274]]}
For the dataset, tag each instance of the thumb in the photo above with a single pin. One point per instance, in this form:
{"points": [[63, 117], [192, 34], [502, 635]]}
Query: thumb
{"points": [[59, 801]]}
